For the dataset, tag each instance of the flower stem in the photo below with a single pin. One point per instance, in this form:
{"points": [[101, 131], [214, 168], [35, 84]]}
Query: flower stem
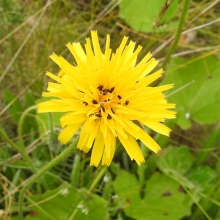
{"points": [[98, 177], [21, 150], [178, 34], [47, 167]]}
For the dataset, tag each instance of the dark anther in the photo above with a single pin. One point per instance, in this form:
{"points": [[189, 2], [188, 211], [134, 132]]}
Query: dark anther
{"points": [[85, 103], [100, 88], [126, 102], [91, 115], [105, 91], [94, 102], [103, 109], [112, 89], [112, 110], [119, 97], [105, 100], [109, 117], [79, 91], [98, 115]]}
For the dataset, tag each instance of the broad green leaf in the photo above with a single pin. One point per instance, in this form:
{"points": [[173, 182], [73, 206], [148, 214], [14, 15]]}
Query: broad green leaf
{"points": [[175, 162], [200, 101], [127, 186], [141, 14], [176, 159], [163, 198], [202, 177], [63, 202]]}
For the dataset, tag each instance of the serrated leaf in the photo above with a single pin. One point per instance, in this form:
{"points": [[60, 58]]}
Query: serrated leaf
{"points": [[163, 198], [200, 101]]}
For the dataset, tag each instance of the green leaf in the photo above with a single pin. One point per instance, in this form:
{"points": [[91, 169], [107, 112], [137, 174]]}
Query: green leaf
{"points": [[127, 189], [202, 177], [175, 162], [65, 201], [163, 198], [141, 14], [176, 159], [199, 101], [170, 12]]}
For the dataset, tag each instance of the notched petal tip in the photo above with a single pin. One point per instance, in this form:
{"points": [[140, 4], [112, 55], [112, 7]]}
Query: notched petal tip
{"points": [[38, 108], [140, 162], [68, 44], [93, 164], [53, 56], [157, 151]]}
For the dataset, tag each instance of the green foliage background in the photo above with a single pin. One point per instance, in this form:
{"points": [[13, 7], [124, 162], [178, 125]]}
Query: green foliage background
{"points": [[181, 182]]}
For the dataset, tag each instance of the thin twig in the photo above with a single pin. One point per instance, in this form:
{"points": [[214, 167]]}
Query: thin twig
{"points": [[24, 42], [163, 45], [25, 22], [203, 12], [201, 26], [191, 51]]}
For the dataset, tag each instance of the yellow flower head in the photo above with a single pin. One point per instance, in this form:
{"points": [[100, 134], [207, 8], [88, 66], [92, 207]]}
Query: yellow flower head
{"points": [[108, 95]]}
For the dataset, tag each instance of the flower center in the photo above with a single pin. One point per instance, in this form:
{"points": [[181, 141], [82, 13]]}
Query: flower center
{"points": [[106, 104]]}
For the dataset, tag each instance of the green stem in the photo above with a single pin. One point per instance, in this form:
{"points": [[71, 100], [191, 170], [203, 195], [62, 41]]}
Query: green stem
{"points": [[47, 167], [19, 149], [178, 34], [97, 179]]}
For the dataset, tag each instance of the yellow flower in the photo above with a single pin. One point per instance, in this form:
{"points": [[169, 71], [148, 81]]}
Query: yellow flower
{"points": [[108, 95]]}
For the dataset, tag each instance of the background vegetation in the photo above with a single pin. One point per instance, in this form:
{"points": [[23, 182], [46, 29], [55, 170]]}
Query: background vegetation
{"points": [[181, 182]]}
